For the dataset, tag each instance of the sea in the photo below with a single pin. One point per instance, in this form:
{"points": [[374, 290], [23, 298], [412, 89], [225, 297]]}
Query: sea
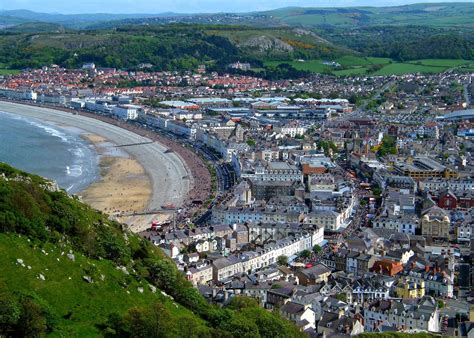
{"points": [[55, 152]]}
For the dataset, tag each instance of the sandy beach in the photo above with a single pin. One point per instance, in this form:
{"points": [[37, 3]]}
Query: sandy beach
{"points": [[145, 178], [124, 186]]}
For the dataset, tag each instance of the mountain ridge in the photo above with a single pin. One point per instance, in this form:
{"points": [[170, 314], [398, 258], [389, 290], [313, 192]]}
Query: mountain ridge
{"points": [[292, 16]]}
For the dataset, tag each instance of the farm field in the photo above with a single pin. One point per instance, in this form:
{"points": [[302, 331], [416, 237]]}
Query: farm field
{"points": [[354, 65], [315, 66], [357, 61], [405, 68], [9, 71], [443, 62], [350, 71]]}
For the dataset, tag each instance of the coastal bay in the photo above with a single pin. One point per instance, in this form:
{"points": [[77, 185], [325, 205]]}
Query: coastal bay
{"points": [[137, 164]]}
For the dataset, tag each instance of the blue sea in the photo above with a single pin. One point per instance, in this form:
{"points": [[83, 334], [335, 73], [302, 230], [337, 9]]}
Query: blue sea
{"points": [[54, 152]]}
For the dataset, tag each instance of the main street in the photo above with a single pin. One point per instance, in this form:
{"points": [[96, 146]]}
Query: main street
{"points": [[358, 219]]}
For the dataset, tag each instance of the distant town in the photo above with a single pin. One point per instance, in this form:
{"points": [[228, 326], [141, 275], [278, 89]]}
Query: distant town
{"points": [[345, 204]]}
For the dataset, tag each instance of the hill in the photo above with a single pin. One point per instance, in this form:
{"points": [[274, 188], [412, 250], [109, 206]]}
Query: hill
{"points": [[67, 270], [35, 27], [423, 14], [404, 42], [9, 21], [74, 20], [167, 47], [449, 14], [274, 42]]}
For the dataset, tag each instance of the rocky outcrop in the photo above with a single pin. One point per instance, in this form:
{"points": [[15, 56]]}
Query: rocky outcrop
{"points": [[266, 43]]}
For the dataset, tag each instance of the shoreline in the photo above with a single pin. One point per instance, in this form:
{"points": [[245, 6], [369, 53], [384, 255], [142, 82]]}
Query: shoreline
{"points": [[169, 176], [197, 170], [119, 174]]}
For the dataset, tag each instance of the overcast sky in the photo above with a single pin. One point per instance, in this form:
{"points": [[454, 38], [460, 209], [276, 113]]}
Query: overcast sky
{"points": [[184, 6]]}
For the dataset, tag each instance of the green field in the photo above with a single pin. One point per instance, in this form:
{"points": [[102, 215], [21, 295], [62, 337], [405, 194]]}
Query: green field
{"points": [[9, 71], [406, 68], [426, 14], [351, 71], [443, 62], [354, 65], [357, 61], [315, 66]]}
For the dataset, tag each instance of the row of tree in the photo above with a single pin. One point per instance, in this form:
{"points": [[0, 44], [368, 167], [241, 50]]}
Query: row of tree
{"points": [[404, 43]]}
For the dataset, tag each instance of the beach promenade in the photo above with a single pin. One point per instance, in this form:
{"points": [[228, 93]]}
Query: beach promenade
{"points": [[168, 174]]}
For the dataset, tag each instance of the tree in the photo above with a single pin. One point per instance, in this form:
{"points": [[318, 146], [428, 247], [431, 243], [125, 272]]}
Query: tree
{"points": [[377, 191], [388, 146], [240, 326], [282, 260], [32, 322], [241, 302], [154, 321], [251, 142], [305, 254], [317, 249], [9, 311]]}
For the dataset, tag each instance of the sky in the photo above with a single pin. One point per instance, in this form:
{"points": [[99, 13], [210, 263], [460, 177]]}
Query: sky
{"points": [[185, 6]]}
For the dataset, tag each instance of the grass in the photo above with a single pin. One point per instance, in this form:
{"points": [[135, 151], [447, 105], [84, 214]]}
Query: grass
{"points": [[351, 61], [351, 71], [315, 66], [446, 63], [355, 65], [432, 15], [405, 68], [4, 71], [379, 61], [76, 306]]}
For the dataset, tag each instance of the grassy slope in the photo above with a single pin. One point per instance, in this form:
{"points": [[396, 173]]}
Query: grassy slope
{"points": [[40, 225], [9, 71], [359, 65], [434, 15], [315, 66], [303, 42], [76, 306]]}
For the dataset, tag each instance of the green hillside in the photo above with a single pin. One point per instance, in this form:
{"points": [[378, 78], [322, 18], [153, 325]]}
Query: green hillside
{"points": [[433, 15], [69, 271], [356, 65], [404, 43], [167, 47], [277, 42], [8, 21], [34, 27], [310, 35]]}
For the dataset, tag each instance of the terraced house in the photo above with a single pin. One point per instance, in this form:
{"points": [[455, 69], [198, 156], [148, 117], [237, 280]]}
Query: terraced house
{"points": [[404, 315]]}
